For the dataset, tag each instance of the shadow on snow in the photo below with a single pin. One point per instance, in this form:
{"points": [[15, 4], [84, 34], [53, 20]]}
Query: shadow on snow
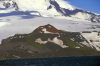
{"points": [[24, 15]]}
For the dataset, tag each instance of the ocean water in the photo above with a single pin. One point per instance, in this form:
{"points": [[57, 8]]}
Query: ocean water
{"points": [[57, 61]]}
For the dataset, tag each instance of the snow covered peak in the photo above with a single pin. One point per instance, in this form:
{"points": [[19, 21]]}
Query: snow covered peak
{"points": [[32, 4], [45, 7], [41, 4], [52, 8], [65, 4]]}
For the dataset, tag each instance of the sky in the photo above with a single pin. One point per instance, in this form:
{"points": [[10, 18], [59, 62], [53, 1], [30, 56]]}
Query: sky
{"points": [[90, 5]]}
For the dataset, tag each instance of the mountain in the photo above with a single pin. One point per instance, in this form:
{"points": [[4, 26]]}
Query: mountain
{"points": [[48, 41], [51, 8]]}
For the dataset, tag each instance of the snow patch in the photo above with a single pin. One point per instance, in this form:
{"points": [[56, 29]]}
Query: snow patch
{"points": [[45, 30], [55, 40], [39, 40], [93, 39], [77, 47], [58, 42], [83, 16]]}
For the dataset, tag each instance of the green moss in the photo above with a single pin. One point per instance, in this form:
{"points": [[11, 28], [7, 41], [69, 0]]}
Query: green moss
{"points": [[31, 40], [72, 44]]}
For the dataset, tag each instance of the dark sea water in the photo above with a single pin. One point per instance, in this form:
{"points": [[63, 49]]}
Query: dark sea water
{"points": [[57, 61]]}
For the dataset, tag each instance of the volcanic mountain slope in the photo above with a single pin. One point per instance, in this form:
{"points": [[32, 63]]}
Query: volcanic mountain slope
{"points": [[51, 8], [46, 41], [47, 29]]}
